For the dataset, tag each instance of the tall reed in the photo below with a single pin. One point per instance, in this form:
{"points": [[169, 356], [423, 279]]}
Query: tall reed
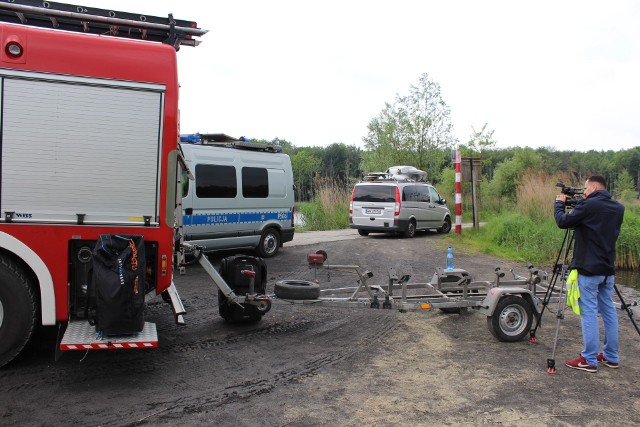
{"points": [[329, 209]]}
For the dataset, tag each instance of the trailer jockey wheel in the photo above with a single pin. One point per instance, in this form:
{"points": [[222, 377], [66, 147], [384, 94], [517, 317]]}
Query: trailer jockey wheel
{"points": [[323, 253], [262, 305], [233, 313]]}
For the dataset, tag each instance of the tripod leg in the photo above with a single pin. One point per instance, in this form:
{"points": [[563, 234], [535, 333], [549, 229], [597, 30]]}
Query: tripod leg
{"points": [[559, 270], [627, 308], [551, 362]]}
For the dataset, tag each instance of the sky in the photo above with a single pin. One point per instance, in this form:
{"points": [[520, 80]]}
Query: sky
{"points": [[559, 74]]}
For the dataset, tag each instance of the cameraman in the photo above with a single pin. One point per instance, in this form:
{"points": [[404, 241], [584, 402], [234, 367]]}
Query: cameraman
{"points": [[596, 220]]}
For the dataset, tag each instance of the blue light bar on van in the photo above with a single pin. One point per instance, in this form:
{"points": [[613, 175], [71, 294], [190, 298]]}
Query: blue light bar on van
{"points": [[190, 137]]}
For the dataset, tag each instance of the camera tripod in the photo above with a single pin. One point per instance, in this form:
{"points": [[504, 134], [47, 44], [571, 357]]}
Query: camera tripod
{"points": [[560, 273]]}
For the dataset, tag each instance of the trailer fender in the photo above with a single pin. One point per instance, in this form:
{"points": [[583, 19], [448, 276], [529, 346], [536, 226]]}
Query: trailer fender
{"points": [[47, 295], [495, 294]]}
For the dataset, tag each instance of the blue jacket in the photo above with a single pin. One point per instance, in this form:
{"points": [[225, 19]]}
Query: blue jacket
{"points": [[596, 221]]}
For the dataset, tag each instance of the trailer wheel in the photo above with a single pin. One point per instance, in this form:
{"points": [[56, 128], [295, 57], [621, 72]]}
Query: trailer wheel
{"points": [[511, 320], [18, 311], [296, 289], [269, 243]]}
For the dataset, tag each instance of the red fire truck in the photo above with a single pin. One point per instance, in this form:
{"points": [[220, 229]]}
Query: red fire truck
{"points": [[89, 142]]}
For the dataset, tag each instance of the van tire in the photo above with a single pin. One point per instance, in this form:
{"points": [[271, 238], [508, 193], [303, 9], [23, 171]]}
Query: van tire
{"points": [[18, 310], [446, 226], [410, 231], [363, 233], [296, 289], [269, 243]]}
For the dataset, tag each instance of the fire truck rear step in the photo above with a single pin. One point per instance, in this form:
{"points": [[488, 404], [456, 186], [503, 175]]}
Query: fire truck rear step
{"points": [[80, 335]]}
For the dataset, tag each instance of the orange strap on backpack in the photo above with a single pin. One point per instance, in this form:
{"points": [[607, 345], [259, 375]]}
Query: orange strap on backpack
{"points": [[134, 264]]}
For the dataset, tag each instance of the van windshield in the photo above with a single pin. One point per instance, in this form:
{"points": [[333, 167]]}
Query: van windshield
{"points": [[374, 193]]}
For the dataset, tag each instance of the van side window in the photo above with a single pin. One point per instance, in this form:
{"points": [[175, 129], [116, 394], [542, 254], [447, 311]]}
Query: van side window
{"points": [[435, 197], [216, 182], [424, 193], [411, 193], [255, 183]]}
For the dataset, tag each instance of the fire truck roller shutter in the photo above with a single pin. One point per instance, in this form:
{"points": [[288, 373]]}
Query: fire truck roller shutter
{"points": [[88, 146]]}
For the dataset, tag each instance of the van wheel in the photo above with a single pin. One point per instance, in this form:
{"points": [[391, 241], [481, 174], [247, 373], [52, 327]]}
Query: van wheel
{"points": [[269, 243], [363, 233], [411, 229], [446, 227], [18, 310]]}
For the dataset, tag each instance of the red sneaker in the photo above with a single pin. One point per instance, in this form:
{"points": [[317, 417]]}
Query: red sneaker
{"points": [[605, 362], [581, 363]]}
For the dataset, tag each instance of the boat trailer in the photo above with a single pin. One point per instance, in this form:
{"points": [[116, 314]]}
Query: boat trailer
{"points": [[509, 304]]}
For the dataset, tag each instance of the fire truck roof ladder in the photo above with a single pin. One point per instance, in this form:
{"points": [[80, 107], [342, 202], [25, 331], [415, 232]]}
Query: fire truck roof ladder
{"points": [[100, 21]]}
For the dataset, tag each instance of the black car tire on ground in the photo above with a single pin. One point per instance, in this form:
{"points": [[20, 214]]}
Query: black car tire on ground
{"points": [[296, 289]]}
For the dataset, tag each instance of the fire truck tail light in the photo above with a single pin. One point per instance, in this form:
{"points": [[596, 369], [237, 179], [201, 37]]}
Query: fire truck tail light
{"points": [[163, 265], [14, 49]]}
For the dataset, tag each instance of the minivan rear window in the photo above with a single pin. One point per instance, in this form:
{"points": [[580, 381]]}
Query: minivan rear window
{"points": [[374, 193]]}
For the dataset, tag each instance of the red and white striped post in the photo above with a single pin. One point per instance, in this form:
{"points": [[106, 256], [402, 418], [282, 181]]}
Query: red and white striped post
{"points": [[458, 194]]}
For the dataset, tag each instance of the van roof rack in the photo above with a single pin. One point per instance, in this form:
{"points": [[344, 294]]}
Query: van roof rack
{"points": [[92, 20], [397, 174], [224, 140]]}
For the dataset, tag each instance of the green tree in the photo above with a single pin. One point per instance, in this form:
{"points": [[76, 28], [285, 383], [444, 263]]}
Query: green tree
{"points": [[415, 130], [507, 174], [305, 167], [625, 188], [341, 162]]}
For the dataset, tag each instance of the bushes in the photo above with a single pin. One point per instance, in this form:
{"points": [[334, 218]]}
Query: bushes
{"points": [[515, 236], [628, 246], [330, 208], [528, 232]]}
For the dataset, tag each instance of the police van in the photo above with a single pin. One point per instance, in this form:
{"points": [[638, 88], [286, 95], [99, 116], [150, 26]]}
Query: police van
{"points": [[242, 194]]}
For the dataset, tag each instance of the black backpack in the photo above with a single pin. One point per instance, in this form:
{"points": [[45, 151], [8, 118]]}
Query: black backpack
{"points": [[119, 271]]}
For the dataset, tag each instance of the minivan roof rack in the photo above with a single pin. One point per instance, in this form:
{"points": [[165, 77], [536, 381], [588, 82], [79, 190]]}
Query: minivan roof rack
{"points": [[224, 140], [92, 20], [397, 174]]}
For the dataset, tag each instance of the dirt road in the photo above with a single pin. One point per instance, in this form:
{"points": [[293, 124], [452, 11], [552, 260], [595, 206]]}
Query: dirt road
{"points": [[309, 365]]}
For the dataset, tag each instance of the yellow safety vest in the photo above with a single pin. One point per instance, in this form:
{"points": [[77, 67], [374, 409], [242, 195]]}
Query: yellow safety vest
{"points": [[573, 291]]}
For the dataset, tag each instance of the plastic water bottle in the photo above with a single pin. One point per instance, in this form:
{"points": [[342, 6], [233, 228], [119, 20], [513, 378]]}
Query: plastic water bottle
{"points": [[450, 258]]}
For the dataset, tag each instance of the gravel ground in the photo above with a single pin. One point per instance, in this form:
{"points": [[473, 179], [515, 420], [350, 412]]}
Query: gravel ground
{"points": [[313, 365]]}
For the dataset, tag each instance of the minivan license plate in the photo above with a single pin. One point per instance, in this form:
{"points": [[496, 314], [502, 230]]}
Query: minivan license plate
{"points": [[373, 211]]}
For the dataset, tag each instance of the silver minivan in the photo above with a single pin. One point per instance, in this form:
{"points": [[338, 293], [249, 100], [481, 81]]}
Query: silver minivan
{"points": [[388, 203]]}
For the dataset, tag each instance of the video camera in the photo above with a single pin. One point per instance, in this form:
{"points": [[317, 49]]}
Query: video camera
{"points": [[574, 194]]}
